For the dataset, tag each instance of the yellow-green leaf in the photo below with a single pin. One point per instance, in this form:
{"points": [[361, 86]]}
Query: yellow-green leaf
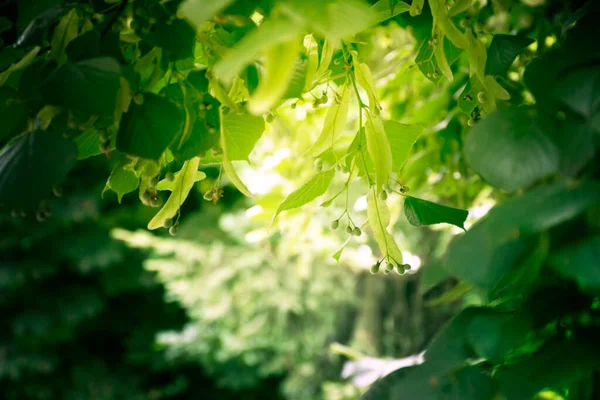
{"points": [[269, 34], [315, 187], [63, 34], [326, 56], [335, 120], [441, 59], [312, 53], [402, 137], [379, 149], [378, 216], [279, 64], [198, 12], [183, 183], [241, 132], [170, 185]]}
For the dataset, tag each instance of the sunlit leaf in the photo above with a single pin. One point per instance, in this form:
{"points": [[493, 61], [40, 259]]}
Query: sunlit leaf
{"points": [[402, 137], [279, 64], [313, 188], [241, 132], [122, 179], [384, 11]]}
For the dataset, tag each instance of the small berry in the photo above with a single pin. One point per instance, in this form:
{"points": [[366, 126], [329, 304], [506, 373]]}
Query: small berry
{"points": [[407, 267], [58, 191], [173, 230], [386, 272], [324, 99], [318, 164], [356, 231], [14, 213], [156, 202], [383, 195], [389, 267], [375, 268], [404, 189], [349, 230], [225, 110], [169, 177], [334, 224], [471, 122], [167, 223], [270, 118], [400, 269], [146, 198], [481, 97], [294, 105]]}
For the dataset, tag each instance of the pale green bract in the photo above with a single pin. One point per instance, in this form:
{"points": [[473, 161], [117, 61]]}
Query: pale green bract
{"points": [[183, 183], [378, 216], [379, 149], [335, 120]]}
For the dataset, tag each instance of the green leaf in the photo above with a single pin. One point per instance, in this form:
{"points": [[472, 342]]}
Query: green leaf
{"points": [[332, 19], [335, 121], [510, 149], [493, 334], [200, 141], [88, 86], [313, 188], [272, 32], [426, 61], [176, 39], [580, 262], [279, 63], [241, 132], [503, 51], [336, 256], [84, 46], [384, 11], [31, 165], [147, 129], [38, 28], [579, 89], [88, 144], [13, 114], [298, 80], [184, 182], [498, 243], [122, 179], [64, 33], [198, 12], [522, 380], [451, 295], [421, 212], [378, 216], [402, 137], [379, 149]]}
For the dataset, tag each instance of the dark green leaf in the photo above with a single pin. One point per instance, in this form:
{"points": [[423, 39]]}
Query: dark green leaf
{"points": [[13, 114], [467, 100], [147, 129], [421, 212], [198, 80], [36, 31], [84, 46], [493, 334], [579, 89], [503, 51], [580, 262], [31, 165], [510, 149], [496, 244], [427, 63], [521, 381], [88, 86], [200, 141], [177, 39]]}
